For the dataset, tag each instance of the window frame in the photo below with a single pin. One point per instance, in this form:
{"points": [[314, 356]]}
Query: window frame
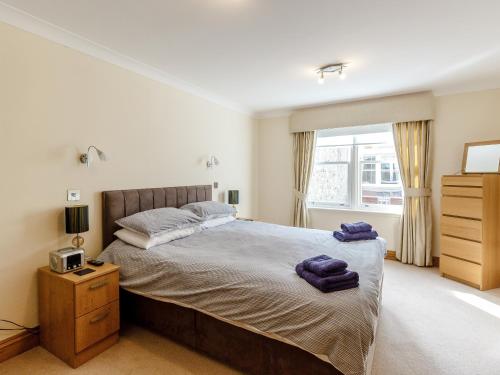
{"points": [[354, 180]]}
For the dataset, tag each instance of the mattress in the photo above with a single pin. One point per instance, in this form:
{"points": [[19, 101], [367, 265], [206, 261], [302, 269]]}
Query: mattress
{"points": [[244, 272]]}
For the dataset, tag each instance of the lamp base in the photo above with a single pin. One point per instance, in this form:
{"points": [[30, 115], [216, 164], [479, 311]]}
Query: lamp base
{"points": [[78, 241]]}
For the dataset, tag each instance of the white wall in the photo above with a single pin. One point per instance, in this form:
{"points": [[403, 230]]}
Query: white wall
{"points": [[54, 103], [459, 119]]}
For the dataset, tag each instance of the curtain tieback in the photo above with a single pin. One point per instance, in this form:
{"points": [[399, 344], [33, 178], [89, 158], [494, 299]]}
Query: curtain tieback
{"points": [[300, 195], [417, 192]]}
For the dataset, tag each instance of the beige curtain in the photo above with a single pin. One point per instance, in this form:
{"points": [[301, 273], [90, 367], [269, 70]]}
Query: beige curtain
{"points": [[412, 142], [303, 154]]}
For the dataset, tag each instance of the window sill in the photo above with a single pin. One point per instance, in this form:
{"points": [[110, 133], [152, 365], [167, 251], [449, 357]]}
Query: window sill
{"points": [[357, 211]]}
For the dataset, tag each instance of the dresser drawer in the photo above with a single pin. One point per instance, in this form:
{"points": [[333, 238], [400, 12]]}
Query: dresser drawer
{"points": [[460, 269], [464, 207], [462, 180], [95, 293], [463, 228], [459, 248], [97, 325], [460, 191]]}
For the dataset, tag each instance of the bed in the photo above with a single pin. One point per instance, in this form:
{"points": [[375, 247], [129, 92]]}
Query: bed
{"points": [[232, 291]]}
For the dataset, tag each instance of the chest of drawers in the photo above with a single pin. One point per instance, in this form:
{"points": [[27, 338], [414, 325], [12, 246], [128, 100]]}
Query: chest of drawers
{"points": [[79, 315], [470, 229]]}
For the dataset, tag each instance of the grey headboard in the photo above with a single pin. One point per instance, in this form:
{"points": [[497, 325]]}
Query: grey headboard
{"points": [[120, 203]]}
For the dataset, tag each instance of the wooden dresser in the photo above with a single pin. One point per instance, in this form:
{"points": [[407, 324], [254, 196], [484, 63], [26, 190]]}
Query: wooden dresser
{"points": [[79, 315], [470, 229]]}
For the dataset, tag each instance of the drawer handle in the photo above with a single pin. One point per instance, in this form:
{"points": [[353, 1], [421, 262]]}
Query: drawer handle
{"points": [[98, 285], [98, 318]]}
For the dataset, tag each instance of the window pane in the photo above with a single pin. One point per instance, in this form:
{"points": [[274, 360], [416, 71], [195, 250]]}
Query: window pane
{"points": [[380, 182], [326, 154], [330, 185], [369, 176], [334, 141], [380, 138], [390, 173]]}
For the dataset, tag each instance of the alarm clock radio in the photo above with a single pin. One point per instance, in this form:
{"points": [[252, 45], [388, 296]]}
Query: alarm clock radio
{"points": [[67, 259]]}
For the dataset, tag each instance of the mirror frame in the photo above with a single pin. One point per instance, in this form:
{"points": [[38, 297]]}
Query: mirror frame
{"points": [[466, 150]]}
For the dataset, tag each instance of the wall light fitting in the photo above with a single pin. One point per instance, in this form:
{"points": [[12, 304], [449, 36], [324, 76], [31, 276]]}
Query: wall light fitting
{"points": [[85, 158], [331, 68], [212, 162]]}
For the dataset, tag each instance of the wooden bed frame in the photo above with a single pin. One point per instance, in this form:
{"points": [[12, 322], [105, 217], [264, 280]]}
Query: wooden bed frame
{"points": [[240, 348]]}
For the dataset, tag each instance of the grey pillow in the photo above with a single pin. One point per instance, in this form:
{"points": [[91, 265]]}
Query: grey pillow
{"points": [[209, 209], [153, 222]]}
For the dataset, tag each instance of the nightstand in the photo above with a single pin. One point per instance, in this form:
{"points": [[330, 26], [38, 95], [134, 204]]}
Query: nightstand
{"points": [[79, 315]]}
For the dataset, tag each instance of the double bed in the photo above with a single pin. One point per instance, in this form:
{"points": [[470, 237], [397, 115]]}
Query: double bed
{"points": [[232, 292]]}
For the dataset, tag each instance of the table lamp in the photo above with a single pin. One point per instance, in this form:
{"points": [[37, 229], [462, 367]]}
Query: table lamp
{"points": [[233, 198], [77, 221]]}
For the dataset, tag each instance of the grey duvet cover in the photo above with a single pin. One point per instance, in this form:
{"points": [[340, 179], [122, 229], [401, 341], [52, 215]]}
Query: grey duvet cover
{"points": [[244, 272]]}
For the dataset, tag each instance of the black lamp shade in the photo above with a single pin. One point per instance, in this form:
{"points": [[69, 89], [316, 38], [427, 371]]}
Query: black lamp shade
{"points": [[233, 196], [77, 219]]}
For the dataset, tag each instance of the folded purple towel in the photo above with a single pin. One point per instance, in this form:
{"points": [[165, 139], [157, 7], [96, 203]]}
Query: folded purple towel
{"points": [[324, 267], [318, 258], [349, 279], [356, 227], [299, 268], [348, 237]]}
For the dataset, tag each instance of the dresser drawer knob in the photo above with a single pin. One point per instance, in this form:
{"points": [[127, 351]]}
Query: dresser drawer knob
{"points": [[98, 318], [98, 285]]}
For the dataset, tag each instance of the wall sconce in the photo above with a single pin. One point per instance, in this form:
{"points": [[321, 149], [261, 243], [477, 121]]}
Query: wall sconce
{"points": [[212, 162], [85, 158]]}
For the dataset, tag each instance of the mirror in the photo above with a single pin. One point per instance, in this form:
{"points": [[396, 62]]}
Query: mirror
{"points": [[481, 157]]}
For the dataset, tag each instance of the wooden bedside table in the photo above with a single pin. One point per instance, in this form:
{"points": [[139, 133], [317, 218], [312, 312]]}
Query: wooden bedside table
{"points": [[79, 315]]}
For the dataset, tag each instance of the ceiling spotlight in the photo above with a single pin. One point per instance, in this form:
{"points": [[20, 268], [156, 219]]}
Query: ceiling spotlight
{"points": [[331, 68], [321, 78], [342, 74]]}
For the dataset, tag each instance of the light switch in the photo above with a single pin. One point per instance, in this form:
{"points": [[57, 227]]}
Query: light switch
{"points": [[73, 195], [216, 185]]}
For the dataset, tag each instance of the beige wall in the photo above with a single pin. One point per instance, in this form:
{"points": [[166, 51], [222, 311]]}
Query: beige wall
{"points": [[459, 118], [54, 102], [275, 166]]}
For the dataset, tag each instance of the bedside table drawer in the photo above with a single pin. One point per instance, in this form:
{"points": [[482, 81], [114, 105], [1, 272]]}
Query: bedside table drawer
{"points": [[95, 293], [97, 325]]}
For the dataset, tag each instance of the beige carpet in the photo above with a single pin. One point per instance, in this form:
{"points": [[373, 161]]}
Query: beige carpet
{"points": [[429, 325]]}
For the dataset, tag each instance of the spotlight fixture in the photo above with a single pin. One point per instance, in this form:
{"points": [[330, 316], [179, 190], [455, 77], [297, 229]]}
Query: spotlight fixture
{"points": [[332, 68], [321, 78]]}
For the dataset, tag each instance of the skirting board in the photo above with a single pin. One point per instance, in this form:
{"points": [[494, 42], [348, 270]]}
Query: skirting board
{"points": [[391, 255], [17, 344]]}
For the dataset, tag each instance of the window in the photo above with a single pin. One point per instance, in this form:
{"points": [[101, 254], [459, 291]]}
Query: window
{"points": [[356, 168]]}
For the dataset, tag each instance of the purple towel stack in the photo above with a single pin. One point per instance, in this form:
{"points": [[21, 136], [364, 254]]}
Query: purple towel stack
{"points": [[355, 232], [327, 274]]}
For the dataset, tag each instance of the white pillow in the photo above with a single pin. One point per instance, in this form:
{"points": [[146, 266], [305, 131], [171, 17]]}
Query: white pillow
{"points": [[144, 242], [216, 222]]}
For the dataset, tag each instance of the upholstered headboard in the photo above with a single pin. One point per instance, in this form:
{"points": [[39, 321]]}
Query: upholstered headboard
{"points": [[120, 203]]}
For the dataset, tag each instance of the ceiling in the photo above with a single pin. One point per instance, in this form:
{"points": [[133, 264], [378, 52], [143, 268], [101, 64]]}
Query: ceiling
{"points": [[261, 54]]}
